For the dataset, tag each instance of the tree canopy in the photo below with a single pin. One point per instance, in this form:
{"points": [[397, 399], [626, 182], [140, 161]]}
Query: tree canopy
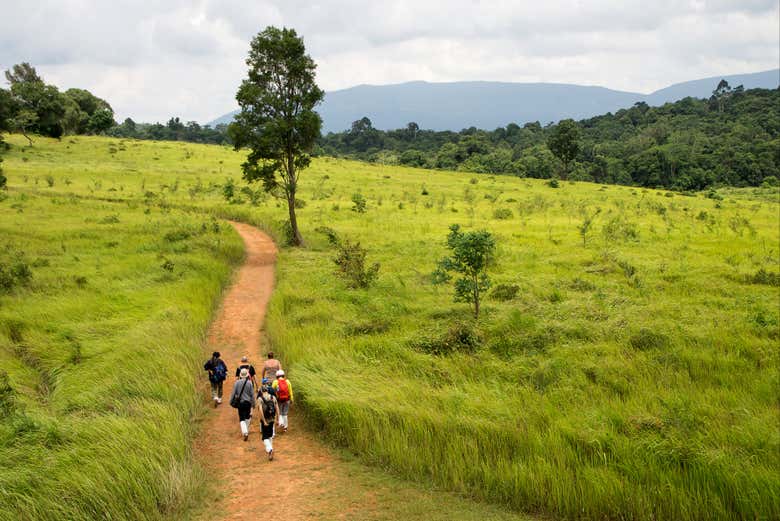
{"points": [[277, 121]]}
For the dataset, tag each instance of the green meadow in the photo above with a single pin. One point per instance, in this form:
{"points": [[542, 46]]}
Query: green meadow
{"points": [[625, 366]]}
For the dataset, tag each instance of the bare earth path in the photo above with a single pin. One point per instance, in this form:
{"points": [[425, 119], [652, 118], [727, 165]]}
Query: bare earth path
{"points": [[240, 468], [305, 480]]}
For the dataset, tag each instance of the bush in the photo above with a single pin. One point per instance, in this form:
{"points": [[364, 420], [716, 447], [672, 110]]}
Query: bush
{"points": [[177, 235], [330, 233], [359, 203], [502, 214], [553, 183], [351, 262], [459, 337], [15, 273], [646, 339], [300, 203], [763, 276], [504, 292]]}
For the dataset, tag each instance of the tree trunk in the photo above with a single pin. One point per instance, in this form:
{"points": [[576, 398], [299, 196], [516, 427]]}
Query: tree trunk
{"points": [[476, 299], [296, 239]]}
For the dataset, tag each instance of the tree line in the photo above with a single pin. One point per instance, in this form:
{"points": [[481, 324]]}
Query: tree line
{"points": [[31, 106], [732, 138]]}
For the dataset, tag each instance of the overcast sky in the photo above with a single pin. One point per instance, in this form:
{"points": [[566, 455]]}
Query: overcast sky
{"points": [[152, 60]]}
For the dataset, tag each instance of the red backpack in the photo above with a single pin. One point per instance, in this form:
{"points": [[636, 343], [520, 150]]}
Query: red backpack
{"points": [[283, 394]]}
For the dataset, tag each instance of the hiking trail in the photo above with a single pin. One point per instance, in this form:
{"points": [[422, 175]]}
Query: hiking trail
{"points": [[306, 479], [245, 483]]}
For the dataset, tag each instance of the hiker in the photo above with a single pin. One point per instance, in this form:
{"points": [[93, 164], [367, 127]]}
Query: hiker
{"points": [[249, 367], [217, 374], [284, 395], [269, 411], [271, 366], [243, 399]]}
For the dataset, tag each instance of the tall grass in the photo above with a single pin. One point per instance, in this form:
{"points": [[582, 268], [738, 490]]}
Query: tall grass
{"points": [[101, 351], [634, 375]]}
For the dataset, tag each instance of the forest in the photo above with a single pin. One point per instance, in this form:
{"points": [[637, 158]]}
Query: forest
{"points": [[730, 139]]}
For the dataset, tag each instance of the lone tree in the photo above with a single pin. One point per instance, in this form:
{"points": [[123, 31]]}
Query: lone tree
{"points": [[471, 253], [564, 143], [277, 121]]}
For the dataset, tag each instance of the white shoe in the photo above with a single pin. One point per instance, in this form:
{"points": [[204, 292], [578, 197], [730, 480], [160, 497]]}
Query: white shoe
{"points": [[219, 400]]}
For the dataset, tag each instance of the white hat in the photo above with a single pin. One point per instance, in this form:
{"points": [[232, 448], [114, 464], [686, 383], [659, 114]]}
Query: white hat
{"points": [[279, 373], [244, 372]]}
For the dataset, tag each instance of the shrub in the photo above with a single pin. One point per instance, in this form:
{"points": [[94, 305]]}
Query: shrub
{"points": [[300, 203], [50, 180], [619, 229], [168, 265], [80, 280], [763, 276], [646, 339], [769, 181], [504, 292], [15, 273], [358, 203], [229, 190], [502, 214], [553, 183], [330, 233], [459, 337], [351, 263]]}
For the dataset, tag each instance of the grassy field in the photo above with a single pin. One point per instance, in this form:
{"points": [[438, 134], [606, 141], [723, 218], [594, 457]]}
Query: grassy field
{"points": [[99, 349], [633, 375]]}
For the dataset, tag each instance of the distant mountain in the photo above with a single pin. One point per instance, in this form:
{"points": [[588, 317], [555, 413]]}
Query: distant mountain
{"points": [[487, 105]]}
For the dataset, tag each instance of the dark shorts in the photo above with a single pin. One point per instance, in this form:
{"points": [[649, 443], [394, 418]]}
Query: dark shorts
{"points": [[267, 430], [244, 411]]}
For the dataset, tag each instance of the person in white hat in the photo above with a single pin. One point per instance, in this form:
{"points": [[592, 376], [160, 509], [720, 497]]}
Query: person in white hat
{"points": [[284, 396], [243, 399]]}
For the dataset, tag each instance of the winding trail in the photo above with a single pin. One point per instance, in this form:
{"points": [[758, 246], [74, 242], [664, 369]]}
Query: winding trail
{"points": [[303, 469]]}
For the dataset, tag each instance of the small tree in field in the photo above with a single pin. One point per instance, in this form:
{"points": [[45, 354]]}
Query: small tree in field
{"points": [[277, 121], [471, 253]]}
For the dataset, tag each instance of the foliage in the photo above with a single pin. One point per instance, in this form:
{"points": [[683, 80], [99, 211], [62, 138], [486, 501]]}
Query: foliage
{"points": [[277, 121], [359, 203], [459, 337], [471, 253], [563, 142], [351, 264], [504, 292], [690, 144]]}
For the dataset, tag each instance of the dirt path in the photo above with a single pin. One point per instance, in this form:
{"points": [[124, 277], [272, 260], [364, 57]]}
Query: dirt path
{"points": [[240, 469]]}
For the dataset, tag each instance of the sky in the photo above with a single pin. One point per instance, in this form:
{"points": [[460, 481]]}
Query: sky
{"points": [[155, 59]]}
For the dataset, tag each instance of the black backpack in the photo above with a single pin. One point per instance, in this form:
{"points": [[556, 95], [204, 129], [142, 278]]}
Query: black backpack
{"points": [[269, 409]]}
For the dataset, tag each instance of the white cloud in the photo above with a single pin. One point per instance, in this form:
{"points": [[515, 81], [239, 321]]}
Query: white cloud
{"points": [[155, 60]]}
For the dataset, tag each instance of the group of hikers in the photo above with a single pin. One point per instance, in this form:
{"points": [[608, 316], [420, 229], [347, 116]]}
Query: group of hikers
{"points": [[272, 398]]}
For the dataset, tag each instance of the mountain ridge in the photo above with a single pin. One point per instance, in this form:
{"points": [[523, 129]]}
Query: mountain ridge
{"points": [[490, 104]]}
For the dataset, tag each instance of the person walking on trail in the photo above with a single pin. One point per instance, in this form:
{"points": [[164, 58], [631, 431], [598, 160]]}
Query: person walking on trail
{"points": [[284, 395], [249, 367], [243, 399], [269, 411], [271, 366], [218, 372]]}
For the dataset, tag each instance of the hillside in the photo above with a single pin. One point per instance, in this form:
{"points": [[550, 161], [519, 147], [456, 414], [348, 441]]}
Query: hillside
{"points": [[690, 144], [487, 105], [625, 364]]}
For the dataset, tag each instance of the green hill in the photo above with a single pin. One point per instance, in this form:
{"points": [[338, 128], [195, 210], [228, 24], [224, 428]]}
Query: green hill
{"points": [[628, 367]]}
